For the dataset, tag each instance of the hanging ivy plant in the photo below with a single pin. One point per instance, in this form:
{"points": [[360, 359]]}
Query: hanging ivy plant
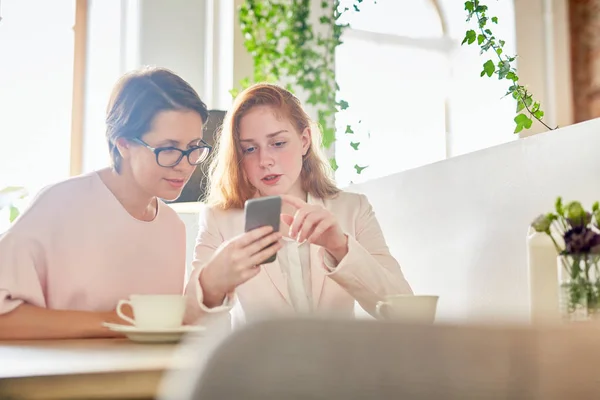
{"points": [[8, 198], [527, 108], [286, 49]]}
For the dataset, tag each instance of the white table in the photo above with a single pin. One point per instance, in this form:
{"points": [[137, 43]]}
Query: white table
{"points": [[98, 368]]}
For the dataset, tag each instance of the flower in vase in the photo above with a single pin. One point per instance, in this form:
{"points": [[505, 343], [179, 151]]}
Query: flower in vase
{"points": [[576, 215], [581, 240], [542, 223], [579, 256], [597, 218], [574, 224]]}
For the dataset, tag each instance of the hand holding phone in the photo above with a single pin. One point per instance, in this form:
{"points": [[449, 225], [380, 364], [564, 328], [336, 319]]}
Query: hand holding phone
{"points": [[235, 262]]}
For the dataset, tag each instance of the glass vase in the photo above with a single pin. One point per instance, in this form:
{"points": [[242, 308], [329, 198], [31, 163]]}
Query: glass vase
{"points": [[579, 286]]}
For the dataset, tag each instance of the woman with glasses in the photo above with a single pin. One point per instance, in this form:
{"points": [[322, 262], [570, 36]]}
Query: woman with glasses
{"points": [[89, 241]]}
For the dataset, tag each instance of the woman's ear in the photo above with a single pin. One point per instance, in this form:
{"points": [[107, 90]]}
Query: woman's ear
{"points": [[123, 146], [306, 138]]}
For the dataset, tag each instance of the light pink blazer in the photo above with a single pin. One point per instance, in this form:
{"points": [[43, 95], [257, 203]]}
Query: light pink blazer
{"points": [[367, 274]]}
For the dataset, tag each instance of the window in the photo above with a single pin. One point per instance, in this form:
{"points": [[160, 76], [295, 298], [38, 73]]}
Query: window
{"points": [[36, 81], [415, 94], [113, 46]]}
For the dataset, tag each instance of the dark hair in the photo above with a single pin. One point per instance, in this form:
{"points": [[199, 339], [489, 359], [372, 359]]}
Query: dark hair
{"points": [[138, 97]]}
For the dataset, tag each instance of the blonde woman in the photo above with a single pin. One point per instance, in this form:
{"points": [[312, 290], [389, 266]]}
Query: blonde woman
{"points": [[330, 249]]}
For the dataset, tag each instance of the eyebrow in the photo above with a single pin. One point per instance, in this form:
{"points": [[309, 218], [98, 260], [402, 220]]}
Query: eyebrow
{"points": [[175, 143], [270, 135]]}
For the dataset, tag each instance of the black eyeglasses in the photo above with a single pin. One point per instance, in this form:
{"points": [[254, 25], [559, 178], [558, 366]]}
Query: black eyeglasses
{"points": [[171, 156]]}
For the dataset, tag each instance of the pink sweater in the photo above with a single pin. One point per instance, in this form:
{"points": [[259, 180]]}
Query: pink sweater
{"points": [[77, 248]]}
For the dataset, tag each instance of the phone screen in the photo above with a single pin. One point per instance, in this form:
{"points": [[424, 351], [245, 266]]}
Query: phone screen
{"points": [[261, 212]]}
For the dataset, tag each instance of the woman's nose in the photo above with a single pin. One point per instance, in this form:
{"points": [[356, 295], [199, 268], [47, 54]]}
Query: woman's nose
{"points": [[266, 160]]}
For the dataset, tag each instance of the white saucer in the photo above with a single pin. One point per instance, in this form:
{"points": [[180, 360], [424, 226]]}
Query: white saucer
{"points": [[154, 335]]}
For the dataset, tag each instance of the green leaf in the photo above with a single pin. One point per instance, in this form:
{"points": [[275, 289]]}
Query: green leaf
{"points": [[324, 4], [504, 69], [359, 169], [520, 106], [518, 128], [523, 122], [349, 130], [595, 206], [14, 190], [343, 105], [488, 45], [469, 6], [11, 193], [328, 137], [495, 20], [470, 37], [354, 145], [488, 68], [480, 39], [512, 76], [558, 206], [499, 51], [502, 42], [333, 164], [14, 213], [482, 22], [521, 119]]}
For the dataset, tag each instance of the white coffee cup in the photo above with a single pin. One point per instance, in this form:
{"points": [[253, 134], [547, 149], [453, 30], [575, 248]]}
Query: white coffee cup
{"points": [[161, 311], [408, 308]]}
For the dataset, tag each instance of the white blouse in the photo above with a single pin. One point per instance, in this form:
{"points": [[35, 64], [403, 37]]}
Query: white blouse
{"points": [[294, 260]]}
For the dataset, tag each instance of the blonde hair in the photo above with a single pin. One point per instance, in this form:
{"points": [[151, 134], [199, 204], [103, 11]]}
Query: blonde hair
{"points": [[229, 186]]}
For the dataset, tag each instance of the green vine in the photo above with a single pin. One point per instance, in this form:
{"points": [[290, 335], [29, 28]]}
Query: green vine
{"points": [[8, 196], [286, 50], [504, 67]]}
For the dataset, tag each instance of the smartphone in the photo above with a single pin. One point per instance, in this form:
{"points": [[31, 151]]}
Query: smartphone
{"points": [[261, 212]]}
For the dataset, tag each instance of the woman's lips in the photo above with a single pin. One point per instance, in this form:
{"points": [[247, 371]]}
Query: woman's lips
{"points": [[176, 183], [271, 179]]}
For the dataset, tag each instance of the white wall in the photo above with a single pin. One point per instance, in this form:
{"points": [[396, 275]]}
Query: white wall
{"points": [[544, 63], [172, 35], [458, 227]]}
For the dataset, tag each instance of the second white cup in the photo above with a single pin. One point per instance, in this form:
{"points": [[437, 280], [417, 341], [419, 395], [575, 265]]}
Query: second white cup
{"points": [[408, 308]]}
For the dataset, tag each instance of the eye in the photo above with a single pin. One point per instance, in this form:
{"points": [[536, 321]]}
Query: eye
{"points": [[279, 144], [249, 150]]}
